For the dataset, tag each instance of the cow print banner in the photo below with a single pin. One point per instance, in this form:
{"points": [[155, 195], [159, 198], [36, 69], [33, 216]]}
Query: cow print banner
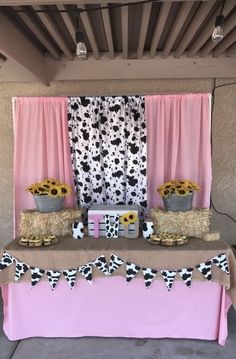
{"points": [[149, 274], [70, 275], [108, 149], [53, 277], [101, 264], [6, 261], [36, 275], [115, 263], [169, 277], [86, 271], [221, 262], [186, 274], [205, 269], [132, 270], [21, 269]]}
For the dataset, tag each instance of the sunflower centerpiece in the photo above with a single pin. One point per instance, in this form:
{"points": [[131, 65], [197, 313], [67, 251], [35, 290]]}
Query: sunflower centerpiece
{"points": [[177, 195], [49, 194]]}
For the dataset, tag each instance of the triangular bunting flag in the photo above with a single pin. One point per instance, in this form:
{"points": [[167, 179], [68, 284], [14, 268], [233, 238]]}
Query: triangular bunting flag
{"points": [[131, 271], [148, 275], [6, 261], [86, 271], [221, 262], [169, 277], [205, 269], [21, 269], [36, 275], [115, 263], [101, 264], [53, 277], [70, 275], [186, 274]]}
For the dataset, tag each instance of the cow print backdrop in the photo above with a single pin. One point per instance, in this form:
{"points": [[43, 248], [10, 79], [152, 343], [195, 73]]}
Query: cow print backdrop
{"points": [[108, 147]]}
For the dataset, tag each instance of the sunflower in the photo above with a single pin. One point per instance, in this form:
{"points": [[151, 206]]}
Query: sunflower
{"points": [[128, 218], [64, 190], [168, 185], [30, 189], [124, 220], [166, 192], [132, 217], [36, 192], [51, 181], [54, 191], [182, 192]]}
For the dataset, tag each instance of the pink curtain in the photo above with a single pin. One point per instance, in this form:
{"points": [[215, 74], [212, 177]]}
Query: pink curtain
{"points": [[41, 147], [179, 143]]}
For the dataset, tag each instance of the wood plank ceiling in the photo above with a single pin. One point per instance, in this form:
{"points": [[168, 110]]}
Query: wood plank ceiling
{"points": [[148, 30]]}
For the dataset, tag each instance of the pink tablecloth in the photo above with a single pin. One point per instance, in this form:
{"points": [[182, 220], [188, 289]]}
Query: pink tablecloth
{"points": [[111, 308]]}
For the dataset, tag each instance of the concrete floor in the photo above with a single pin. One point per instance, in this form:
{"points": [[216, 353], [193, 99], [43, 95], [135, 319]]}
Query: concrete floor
{"points": [[102, 348]]}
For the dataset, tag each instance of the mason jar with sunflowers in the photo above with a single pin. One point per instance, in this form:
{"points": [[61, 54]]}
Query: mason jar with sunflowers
{"points": [[177, 195], [49, 194]]}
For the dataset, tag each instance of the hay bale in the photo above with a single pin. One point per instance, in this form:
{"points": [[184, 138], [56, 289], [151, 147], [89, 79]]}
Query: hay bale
{"points": [[58, 223], [192, 223]]}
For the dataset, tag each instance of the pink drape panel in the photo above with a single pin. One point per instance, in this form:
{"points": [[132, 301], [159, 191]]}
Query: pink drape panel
{"points": [[41, 147], [179, 146]]}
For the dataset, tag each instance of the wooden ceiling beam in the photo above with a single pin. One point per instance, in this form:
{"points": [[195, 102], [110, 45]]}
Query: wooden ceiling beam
{"points": [[230, 23], [225, 43], [125, 29], [53, 30], [232, 50], [68, 21], [161, 21], [146, 68], [208, 29], [196, 22], [69, 2], [146, 12], [30, 23], [89, 31], [108, 32], [14, 45], [177, 26]]}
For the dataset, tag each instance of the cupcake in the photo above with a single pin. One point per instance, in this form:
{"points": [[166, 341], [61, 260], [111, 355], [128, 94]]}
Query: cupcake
{"points": [[24, 241]]}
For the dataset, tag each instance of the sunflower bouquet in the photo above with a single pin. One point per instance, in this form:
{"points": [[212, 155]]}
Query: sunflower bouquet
{"points": [[128, 218], [178, 188], [49, 187]]}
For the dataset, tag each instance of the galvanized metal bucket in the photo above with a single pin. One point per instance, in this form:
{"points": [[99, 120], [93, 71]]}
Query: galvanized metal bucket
{"points": [[176, 203], [49, 203]]}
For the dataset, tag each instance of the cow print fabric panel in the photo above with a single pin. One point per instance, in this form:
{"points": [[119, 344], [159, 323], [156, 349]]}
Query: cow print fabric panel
{"points": [[108, 148]]}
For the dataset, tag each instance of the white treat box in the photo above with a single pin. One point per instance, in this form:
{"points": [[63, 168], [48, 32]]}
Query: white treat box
{"points": [[112, 211]]}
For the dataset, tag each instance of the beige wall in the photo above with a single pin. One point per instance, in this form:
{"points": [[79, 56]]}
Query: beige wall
{"points": [[224, 131]]}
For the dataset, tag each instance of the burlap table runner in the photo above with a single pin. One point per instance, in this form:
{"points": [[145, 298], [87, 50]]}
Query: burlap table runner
{"points": [[70, 253]]}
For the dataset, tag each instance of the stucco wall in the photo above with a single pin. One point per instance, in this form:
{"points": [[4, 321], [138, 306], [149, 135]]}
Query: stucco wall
{"points": [[224, 132]]}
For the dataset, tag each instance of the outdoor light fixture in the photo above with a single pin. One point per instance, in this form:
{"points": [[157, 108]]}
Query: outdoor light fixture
{"points": [[218, 32], [81, 50]]}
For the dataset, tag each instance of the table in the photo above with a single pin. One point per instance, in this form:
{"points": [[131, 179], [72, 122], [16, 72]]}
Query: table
{"points": [[112, 308]]}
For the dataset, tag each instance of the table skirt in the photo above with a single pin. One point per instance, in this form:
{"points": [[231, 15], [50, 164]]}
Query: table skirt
{"points": [[111, 308]]}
